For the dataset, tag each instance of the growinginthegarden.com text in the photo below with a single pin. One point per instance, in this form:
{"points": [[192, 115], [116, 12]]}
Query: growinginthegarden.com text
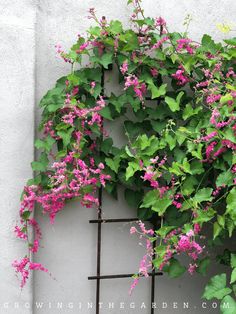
{"points": [[121, 306]]}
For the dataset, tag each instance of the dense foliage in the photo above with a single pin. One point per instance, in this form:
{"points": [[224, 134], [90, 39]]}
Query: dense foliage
{"points": [[178, 166]]}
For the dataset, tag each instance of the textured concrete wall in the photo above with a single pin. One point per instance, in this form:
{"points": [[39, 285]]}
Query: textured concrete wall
{"points": [[70, 245], [17, 55]]}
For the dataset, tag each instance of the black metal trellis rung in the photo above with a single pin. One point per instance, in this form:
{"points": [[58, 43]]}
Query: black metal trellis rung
{"points": [[94, 221], [122, 276]]}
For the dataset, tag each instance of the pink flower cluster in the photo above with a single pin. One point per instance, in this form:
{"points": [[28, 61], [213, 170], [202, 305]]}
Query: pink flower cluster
{"points": [[23, 267], [180, 76], [215, 115], [152, 174], [160, 21], [86, 115], [186, 244], [124, 67], [66, 184], [70, 177], [139, 88], [176, 201], [213, 98], [145, 265], [208, 137], [184, 44], [160, 42]]}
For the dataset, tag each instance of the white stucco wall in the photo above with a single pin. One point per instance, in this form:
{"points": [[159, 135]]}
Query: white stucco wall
{"points": [[17, 55], [70, 245]]}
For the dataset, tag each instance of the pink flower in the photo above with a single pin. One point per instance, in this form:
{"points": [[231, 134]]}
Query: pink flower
{"points": [[23, 266], [134, 284], [192, 268], [75, 90], [37, 266], [124, 67], [101, 102], [103, 178], [184, 244], [154, 72], [35, 246], [184, 43], [93, 84], [20, 234], [133, 230], [160, 42], [210, 148], [197, 228], [160, 21], [230, 73], [202, 84], [190, 233], [213, 98], [69, 119], [131, 80], [82, 47], [209, 136], [180, 77], [139, 91]]}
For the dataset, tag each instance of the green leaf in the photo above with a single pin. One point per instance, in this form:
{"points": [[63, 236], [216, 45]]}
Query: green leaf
{"points": [[221, 220], [171, 140], [45, 144], [196, 167], [225, 178], [230, 226], [133, 198], [115, 27], [203, 266], [230, 41], [229, 135], [40, 165], [204, 215], [54, 107], [106, 113], [26, 214], [228, 305], [233, 276], [224, 99], [189, 185], [54, 97], [131, 40], [150, 198], [231, 202], [163, 231], [216, 230], [106, 145], [65, 135], [162, 204], [157, 91], [189, 111], [95, 31], [203, 195], [175, 269], [113, 163], [233, 260], [131, 169], [216, 288], [104, 60], [174, 104], [209, 45]]}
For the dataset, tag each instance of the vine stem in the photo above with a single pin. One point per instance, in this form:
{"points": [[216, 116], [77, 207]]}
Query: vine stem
{"points": [[140, 9]]}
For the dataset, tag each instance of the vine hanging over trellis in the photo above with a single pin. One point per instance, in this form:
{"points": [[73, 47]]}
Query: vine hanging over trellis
{"points": [[179, 163]]}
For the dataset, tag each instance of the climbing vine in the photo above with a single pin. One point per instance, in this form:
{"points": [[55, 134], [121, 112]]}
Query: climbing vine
{"points": [[178, 100]]}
